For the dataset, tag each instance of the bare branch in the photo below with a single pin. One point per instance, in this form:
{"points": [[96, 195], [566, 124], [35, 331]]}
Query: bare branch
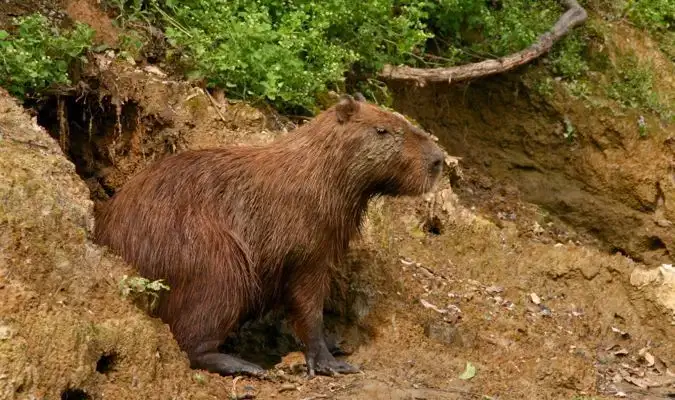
{"points": [[573, 17]]}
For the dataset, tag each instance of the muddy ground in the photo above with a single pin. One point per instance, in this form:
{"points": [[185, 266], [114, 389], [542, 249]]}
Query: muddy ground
{"points": [[540, 265]]}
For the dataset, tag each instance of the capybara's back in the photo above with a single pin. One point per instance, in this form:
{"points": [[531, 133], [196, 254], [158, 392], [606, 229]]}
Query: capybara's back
{"points": [[237, 230]]}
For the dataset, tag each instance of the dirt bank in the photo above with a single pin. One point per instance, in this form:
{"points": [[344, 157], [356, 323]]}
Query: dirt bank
{"points": [[602, 184], [431, 286]]}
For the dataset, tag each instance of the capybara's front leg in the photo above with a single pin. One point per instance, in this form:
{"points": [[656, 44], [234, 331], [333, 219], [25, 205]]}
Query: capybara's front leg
{"points": [[307, 319], [207, 357]]}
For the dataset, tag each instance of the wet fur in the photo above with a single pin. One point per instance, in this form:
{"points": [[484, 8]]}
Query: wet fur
{"points": [[237, 230]]}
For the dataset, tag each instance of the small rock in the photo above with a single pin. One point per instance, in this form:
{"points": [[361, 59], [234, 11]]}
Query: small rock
{"points": [[545, 311], [5, 332], [494, 289], [535, 299], [621, 352], [442, 332], [287, 387], [154, 70]]}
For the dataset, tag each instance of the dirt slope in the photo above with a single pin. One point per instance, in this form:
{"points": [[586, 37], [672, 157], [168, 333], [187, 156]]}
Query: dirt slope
{"points": [[60, 311], [607, 186], [432, 284], [422, 304]]}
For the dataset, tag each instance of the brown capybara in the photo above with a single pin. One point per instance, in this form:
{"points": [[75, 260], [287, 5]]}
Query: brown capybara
{"points": [[238, 230]]}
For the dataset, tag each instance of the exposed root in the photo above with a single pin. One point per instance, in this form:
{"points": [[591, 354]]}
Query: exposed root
{"points": [[573, 17], [63, 124]]}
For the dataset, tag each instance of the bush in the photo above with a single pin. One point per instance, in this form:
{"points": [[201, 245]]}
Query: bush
{"points": [[291, 51], [655, 15], [37, 55]]}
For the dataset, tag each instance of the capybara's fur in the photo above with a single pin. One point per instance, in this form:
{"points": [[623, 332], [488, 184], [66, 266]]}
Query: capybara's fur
{"points": [[235, 231]]}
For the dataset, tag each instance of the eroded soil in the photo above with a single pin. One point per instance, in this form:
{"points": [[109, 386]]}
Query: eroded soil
{"points": [[474, 273]]}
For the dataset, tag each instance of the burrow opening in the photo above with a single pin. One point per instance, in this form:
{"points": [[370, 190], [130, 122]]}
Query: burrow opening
{"points": [[107, 363], [74, 394], [101, 137], [87, 130], [433, 226]]}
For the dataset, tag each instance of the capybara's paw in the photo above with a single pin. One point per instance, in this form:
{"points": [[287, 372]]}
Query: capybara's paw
{"points": [[328, 365], [225, 364]]}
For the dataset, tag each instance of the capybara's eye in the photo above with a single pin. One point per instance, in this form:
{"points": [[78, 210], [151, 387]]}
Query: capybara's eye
{"points": [[381, 130]]}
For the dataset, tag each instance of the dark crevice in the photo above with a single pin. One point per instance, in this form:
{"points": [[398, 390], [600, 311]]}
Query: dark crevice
{"points": [[621, 251], [106, 363], [74, 394], [655, 243], [434, 226], [86, 129]]}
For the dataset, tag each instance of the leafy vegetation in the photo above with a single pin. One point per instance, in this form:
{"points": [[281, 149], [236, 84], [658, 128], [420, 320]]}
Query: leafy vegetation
{"points": [[291, 52], [37, 55], [658, 17], [655, 15], [136, 286], [634, 87]]}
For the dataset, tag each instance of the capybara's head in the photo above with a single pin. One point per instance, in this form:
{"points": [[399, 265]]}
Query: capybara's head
{"points": [[386, 150]]}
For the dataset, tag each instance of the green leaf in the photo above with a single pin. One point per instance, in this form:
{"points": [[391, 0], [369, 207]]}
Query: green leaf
{"points": [[3, 35], [469, 371]]}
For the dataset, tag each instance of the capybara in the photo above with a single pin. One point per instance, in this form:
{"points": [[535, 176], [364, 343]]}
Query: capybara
{"points": [[235, 231]]}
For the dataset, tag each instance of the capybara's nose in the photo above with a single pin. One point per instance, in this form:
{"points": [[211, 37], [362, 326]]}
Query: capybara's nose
{"points": [[437, 159]]}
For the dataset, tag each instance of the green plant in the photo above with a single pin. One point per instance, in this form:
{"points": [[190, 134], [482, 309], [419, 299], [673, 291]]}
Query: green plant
{"points": [[289, 52], [199, 378], [633, 87], [655, 15], [658, 17], [292, 52], [129, 11], [544, 86], [137, 285], [642, 127], [37, 55], [130, 44], [570, 131], [567, 58], [578, 88]]}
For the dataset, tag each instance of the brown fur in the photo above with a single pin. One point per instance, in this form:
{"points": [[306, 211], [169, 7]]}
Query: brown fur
{"points": [[237, 230]]}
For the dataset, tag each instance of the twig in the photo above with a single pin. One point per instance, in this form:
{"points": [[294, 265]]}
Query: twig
{"points": [[215, 105], [573, 17]]}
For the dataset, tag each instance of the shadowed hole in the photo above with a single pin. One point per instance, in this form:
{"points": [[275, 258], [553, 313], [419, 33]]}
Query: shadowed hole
{"points": [[75, 394], [619, 250], [434, 226], [106, 363], [655, 243]]}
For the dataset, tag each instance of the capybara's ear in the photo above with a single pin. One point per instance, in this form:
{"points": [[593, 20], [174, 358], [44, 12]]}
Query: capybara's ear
{"points": [[345, 108], [360, 97]]}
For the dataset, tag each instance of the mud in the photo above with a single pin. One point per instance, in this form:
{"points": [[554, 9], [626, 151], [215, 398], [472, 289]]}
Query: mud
{"points": [[432, 284]]}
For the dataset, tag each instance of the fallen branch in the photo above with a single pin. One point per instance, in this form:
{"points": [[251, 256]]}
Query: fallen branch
{"points": [[573, 17]]}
